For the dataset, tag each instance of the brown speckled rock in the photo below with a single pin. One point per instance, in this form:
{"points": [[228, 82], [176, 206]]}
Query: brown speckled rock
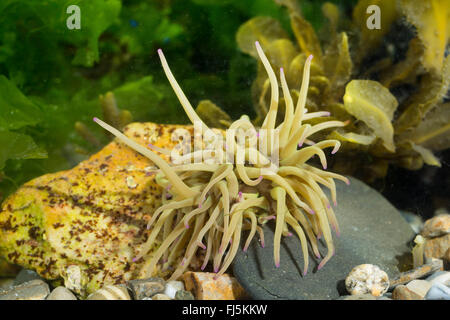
{"points": [[437, 247], [209, 286], [93, 216], [437, 226]]}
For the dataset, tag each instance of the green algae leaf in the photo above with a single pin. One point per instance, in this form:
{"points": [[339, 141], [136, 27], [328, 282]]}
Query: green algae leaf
{"points": [[18, 146], [433, 88], [96, 17], [213, 115], [338, 64], [371, 38], [434, 131], [432, 21], [262, 29], [373, 104], [16, 110]]}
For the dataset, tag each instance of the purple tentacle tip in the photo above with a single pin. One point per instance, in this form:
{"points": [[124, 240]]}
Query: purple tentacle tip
{"points": [[305, 272], [159, 50], [257, 43], [277, 264], [95, 119], [202, 268], [245, 249], [134, 259], [347, 182]]}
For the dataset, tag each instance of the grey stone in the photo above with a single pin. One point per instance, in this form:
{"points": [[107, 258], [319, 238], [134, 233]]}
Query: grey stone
{"points": [[184, 295], [61, 293], [442, 277], [146, 288], [26, 275], [31, 290], [438, 292], [372, 231]]}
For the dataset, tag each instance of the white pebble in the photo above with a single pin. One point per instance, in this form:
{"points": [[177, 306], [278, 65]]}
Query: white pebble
{"points": [[438, 292], [367, 278], [172, 287]]}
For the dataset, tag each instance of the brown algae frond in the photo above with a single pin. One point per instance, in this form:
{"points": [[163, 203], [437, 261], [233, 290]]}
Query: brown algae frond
{"points": [[208, 205]]}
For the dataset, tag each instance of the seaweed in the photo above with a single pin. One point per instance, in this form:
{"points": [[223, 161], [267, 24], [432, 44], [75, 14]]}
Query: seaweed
{"points": [[52, 77], [392, 93]]}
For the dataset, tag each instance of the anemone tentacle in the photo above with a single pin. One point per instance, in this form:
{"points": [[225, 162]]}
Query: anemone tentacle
{"points": [[222, 200]]}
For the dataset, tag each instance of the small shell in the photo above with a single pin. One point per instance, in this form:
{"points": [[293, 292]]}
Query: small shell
{"points": [[73, 279], [367, 278], [131, 183], [116, 292]]}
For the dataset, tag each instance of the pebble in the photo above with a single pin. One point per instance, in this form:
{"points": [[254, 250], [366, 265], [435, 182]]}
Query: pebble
{"points": [[438, 292], [420, 287], [172, 287], [401, 292], [437, 226], [146, 288], [437, 247], [31, 290], [26, 275], [160, 296], [364, 296], [184, 295], [419, 272], [61, 293], [442, 277], [210, 286], [73, 279], [111, 292], [367, 278]]}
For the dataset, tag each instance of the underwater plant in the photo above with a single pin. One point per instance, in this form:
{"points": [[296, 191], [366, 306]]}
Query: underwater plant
{"points": [[209, 204], [391, 83]]}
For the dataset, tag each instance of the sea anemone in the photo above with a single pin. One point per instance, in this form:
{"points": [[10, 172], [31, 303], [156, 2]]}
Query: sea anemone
{"points": [[208, 204]]}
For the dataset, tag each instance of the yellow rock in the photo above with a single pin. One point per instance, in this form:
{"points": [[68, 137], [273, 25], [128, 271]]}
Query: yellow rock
{"points": [[93, 216]]}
